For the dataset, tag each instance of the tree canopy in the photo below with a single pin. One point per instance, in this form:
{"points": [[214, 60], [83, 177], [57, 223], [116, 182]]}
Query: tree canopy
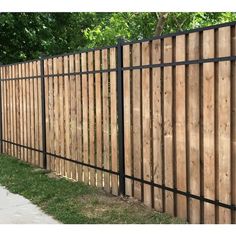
{"points": [[25, 36]]}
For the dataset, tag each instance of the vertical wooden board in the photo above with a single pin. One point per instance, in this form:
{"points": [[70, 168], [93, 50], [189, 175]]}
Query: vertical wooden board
{"points": [[114, 131], [8, 74], [127, 120], [193, 127], [67, 115], [29, 113], [50, 111], [157, 125], [91, 117], [21, 111], [73, 115], [146, 119], [40, 143], [56, 113], [11, 128], [60, 116], [233, 125], [47, 112], [79, 155], [98, 117], [136, 120], [29, 98], [24, 110], [224, 124], [6, 108], [106, 128], [208, 126], [32, 113], [28, 124], [180, 127], [85, 115], [17, 110], [14, 110], [168, 126], [9, 111], [36, 113]]}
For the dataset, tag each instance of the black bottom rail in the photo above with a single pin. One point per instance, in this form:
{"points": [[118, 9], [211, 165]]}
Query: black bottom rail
{"points": [[160, 186]]}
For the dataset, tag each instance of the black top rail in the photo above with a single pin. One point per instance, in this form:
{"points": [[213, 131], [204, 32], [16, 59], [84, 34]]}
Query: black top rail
{"points": [[174, 34]]}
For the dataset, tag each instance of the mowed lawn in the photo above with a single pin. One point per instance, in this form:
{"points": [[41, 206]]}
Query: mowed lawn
{"points": [[74, 202]]}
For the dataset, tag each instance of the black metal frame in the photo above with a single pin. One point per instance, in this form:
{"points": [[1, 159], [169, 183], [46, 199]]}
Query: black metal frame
{"points": [[120, 107], [120, 98], [44, 136]]}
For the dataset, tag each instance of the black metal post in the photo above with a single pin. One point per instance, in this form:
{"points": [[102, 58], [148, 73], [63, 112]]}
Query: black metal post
{"points": [[120, 98], [43, 113], [1, 142]]}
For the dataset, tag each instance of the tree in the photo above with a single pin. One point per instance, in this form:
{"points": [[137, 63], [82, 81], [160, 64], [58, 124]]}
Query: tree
{"points": [[25, 36]]}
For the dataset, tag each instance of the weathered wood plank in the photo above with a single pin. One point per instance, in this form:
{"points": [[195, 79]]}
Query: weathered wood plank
{"points": [[136, 120], [224, 124], [157, 125], [79, 116], [114, 131], [194, 127], [127, 120], [98, 96], [180, 127], [146, 119], [168, 126], [91, 118], [85, 116], [208, 126], [106, 128]]}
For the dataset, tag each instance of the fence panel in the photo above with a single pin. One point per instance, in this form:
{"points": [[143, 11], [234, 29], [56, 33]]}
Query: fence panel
{"points": [[187, 102], [179, 120]]}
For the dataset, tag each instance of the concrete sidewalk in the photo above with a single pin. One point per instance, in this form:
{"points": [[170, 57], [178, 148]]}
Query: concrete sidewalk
{"points": [[15, 209]]}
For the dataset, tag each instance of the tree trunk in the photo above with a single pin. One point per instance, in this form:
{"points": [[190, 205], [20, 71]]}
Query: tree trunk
{"points": [[160, 23]]}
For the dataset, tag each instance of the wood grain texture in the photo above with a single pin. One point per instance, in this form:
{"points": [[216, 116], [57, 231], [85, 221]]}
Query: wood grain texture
{"points": [[157, 125], [79, 117], [67, 116], [180, 127], [146, 119], [224, 124], [233, 124], [72, 116], [85, 115], [136, 120], [193, 126], [127, 121], [168, 126], [91, 117], [208, 126], [106, 115], [114, 130], [98, 95]]}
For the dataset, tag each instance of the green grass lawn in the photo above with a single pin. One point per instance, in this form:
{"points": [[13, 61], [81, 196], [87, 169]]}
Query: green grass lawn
{"points": [[73, 202]]}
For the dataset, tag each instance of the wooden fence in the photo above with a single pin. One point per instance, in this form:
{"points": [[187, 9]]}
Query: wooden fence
{"points": [[167, 103]]}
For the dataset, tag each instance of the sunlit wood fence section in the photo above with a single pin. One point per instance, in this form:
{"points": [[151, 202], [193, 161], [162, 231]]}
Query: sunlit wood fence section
{"points": [[152, 119]]}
